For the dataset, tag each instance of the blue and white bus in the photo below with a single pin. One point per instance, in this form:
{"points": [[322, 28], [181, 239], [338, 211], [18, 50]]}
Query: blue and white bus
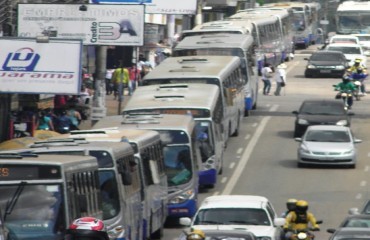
{"points": [[181, 155], [189, 99], [238, 45]]}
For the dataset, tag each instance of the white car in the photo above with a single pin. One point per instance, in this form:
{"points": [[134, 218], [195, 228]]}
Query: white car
{"points": [[344, 39], [253, 213], [364, 42], [351, 51]]}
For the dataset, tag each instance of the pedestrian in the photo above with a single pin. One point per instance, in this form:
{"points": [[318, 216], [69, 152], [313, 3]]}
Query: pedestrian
{"points": [[108, 81], [280, 78], [267, 74], [44, 122], [75, 117], [64, 123], [120, 78], [134, 78]]}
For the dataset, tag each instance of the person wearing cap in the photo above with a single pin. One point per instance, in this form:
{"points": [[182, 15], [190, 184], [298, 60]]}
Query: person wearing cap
{"points": [[280, 78]]}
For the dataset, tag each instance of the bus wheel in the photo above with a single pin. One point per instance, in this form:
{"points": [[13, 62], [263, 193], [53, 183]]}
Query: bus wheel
{"points": [[157, 234], [246, 113], [236, 132]]}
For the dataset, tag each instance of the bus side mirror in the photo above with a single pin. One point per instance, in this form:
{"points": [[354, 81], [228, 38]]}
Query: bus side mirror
{"points": [[154, 171]]}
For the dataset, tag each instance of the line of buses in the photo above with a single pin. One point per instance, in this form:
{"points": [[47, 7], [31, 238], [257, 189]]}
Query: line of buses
{"points": [[146, 166]]}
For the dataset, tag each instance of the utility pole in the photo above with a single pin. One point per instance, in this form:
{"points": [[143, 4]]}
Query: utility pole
{"points": [[99, 109], [199, 16]]}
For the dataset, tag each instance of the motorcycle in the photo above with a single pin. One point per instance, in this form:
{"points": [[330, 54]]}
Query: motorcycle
{"points": [[346, 96], [304, 234], [358, 80]]}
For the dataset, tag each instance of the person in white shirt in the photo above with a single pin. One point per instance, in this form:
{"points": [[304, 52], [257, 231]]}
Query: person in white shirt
{"points": [[280, 78], [266, 78]]}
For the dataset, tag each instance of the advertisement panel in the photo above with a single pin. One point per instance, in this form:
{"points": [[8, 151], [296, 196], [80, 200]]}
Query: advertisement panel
{"points": [[121, 25], [27, 66], [159, 6]]}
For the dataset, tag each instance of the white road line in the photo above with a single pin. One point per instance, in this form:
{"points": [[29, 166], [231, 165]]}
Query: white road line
{"points": [[224, 179], [366, 168], [293, 66], [363, 183], [240, 150], [254, 124], [216, 193], [232, 165], [359, 196], [247, 136], [368, 154], [246, 155]]}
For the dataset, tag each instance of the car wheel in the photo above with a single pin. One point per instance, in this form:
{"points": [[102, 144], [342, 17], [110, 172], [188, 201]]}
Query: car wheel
{"points": [[352, 166]]}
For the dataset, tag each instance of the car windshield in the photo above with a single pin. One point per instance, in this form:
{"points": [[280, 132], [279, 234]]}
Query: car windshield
{"points": [[357, 222], [345, 50], [326, 57], [327, 136], [232, 216], [320, 108]]}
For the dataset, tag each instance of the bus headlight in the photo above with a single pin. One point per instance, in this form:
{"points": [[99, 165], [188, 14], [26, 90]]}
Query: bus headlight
{"points": [[182, 197]]}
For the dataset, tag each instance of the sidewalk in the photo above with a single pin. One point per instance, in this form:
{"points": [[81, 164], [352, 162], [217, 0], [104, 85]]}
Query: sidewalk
{"points": [[112, 109]]}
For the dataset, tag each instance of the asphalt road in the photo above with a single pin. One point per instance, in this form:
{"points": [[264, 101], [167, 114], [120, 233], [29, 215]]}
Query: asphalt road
{"points": [[262, 159]]}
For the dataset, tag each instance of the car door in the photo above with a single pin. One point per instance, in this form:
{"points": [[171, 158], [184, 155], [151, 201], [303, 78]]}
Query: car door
{"points": [[278, 233]]}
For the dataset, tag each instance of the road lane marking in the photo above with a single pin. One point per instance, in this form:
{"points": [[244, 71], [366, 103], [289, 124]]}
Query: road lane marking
{"points": [[247, 136], [366, 168], [363, 183], [247, 153], [359, 196], [240, 150], [232, 165], [216, 193], [224, 179], [254, 124]]}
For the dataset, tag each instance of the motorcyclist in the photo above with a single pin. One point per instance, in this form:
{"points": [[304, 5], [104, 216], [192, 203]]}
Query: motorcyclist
{"points": [[290, 205], [86, 228], [359, 72], [299, 219], [346, 86], [196, 234]]}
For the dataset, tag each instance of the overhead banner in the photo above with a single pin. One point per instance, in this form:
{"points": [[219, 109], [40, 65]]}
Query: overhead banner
{"points": [[27, 66], [159, 6], [94, 24]]}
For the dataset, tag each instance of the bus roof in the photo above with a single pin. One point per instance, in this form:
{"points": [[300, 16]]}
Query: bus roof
{"points": [[215, 41], [194, 67], [185, 96], [279, 12], [243, 27], [259, 16], [68, 163], [148, 121], [354, 6]]}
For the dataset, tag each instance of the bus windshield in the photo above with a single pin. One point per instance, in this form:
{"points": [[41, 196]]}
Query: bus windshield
{"points": [[38, 211], [354, 22], [214, 81], [178, 164], [298, 21], [109, 193]]}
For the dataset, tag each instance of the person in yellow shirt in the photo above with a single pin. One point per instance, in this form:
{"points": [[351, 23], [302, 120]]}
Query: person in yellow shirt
{"points": [[120, 79], [300, 219]]}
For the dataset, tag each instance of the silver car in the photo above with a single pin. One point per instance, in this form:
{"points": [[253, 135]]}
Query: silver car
{"points": [[327, 145]]}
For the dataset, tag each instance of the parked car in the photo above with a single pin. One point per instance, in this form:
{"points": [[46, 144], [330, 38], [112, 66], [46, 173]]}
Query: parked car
{"points": [[351, 234], [244, 212], [326, 63], [222, 234], [319, 112], [351, 51], [327, 145]]}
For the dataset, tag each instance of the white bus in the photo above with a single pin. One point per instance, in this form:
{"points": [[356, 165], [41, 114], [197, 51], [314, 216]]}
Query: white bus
{"points": [[181, 155], [206, 109], [42, 195], [119, 179], [305, 21], [226, 45], [222, 71], [353, 17], [148, 150]]}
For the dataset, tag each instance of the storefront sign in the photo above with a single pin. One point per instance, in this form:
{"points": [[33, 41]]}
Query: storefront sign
{"points": [[27, 66], [94, 24], [158, 6]]}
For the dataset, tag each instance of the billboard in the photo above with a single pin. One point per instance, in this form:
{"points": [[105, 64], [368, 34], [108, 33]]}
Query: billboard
{"points": [[27, 66], [121, 25], [159, 6]]}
